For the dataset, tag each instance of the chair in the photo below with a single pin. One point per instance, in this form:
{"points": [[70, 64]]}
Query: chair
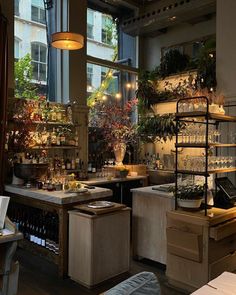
{"points": [[140, 284]]}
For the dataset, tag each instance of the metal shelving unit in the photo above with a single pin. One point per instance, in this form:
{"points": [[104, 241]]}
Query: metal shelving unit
{"points": [[208, 119]]}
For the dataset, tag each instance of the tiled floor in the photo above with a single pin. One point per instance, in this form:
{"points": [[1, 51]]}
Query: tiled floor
{"points": [[38, 277]]}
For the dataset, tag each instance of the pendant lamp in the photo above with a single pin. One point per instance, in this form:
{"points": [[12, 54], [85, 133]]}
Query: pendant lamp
{"points": [[67, 40]]}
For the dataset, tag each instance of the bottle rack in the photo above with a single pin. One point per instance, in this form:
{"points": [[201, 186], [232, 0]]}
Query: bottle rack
{"points": [[39, 227], [208, 119]]}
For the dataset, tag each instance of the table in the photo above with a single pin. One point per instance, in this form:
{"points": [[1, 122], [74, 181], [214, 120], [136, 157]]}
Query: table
{"points": [[225, 284]]}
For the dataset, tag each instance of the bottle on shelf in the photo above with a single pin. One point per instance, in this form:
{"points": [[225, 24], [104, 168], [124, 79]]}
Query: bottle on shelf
{"points": [[76, 138], [53, 137], [77, 162], [68, 164], [58, 137]]}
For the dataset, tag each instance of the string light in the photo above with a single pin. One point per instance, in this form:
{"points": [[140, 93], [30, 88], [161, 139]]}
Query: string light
{"points": [[128, 85], [118, 95], [110, 74], [211, 55], [104, 97], [90, 88]]}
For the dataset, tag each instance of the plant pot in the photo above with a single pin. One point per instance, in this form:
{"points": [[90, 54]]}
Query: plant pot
{"points": [[188, 203], [119, 149]]}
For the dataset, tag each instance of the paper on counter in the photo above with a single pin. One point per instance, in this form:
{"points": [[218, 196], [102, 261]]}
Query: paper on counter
{"points": [[6, 232]]}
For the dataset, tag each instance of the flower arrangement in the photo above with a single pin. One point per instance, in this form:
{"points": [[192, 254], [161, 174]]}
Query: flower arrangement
{"points": [[115, 121]]}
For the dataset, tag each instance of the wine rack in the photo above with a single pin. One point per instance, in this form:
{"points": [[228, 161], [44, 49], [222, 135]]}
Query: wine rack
{"points": [[39, 227]]}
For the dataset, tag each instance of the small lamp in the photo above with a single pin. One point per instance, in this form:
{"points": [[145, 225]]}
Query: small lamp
{"points": [[67, 40]]}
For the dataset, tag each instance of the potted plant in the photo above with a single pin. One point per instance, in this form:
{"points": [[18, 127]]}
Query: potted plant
{"points": [[123, 172], [157, 128], [190, 196]]}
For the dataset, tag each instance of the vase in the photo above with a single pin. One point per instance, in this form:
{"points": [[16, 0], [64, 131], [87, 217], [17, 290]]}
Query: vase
{"points": [[119, 149]]}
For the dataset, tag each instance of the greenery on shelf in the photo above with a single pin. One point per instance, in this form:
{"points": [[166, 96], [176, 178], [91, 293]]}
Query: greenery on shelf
{"points": [[189, 192], [206, 67], [157, 128], [24, 88], [175, 62]]}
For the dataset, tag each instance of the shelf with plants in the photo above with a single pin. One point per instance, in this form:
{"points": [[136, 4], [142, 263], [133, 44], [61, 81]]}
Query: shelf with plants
{"points": [[202, 173], [63, 147], [203, 145], [211, 116], [206, 170]]}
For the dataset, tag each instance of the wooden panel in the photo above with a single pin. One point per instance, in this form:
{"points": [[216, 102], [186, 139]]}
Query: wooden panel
{"points": [[111, 250], [223, 230], [219, 249], [226, 263], [99, 246], [186, 271], [149, 226], [184, 244], [80, 248]]}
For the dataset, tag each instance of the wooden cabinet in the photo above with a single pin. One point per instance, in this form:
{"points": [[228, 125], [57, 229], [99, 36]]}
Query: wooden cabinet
{"points": [[99, 246], [199, 248]]}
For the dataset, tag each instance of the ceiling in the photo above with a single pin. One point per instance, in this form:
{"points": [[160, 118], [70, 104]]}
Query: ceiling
{"points": [[122, 8]]}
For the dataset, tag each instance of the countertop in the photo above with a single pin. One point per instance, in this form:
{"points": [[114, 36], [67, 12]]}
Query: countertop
{"points": [[148, 190], [99, 181], [59, 197]]}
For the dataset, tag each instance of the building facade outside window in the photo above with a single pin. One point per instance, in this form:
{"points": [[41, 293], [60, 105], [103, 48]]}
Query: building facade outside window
{"points": [[39, 61], [17, 49], [107, 29], [17, 7], [90, 24], [38, 11], [89, 74]]}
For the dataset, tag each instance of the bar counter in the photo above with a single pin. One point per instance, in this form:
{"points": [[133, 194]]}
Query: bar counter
{"points": [[59, 197], [56, 202]]}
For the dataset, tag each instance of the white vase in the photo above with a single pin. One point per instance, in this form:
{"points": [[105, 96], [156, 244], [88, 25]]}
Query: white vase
{"points": [[119, 149]]}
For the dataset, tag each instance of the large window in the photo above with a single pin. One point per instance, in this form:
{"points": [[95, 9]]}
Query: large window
{"points": [[39, 59], [90, 24], [37, 11]]}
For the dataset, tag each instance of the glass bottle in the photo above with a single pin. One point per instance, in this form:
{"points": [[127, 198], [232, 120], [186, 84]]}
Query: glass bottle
{"points": [[53, 137]]}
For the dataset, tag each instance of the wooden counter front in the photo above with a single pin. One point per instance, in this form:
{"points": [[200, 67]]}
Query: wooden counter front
{"points": [[199, 248]]}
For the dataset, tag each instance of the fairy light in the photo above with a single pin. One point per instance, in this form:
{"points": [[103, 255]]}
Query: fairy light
{"points": [[102, 84], [118, 95], [110, 74], [211, 55], [128, 85], [90, 88], [104, 97]]}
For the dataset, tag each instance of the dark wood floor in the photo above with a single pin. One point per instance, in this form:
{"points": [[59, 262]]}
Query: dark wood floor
{"points": [[38, 277]]}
